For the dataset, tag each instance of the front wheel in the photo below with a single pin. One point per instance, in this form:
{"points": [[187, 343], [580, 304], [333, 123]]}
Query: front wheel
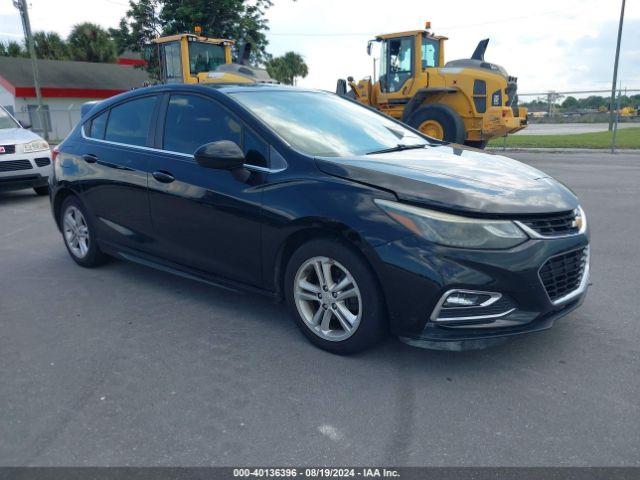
{"points": [[334, 297], [439, 121]]}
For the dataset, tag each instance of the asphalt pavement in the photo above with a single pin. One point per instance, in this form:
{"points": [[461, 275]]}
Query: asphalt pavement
{"points": [[124, 365]]}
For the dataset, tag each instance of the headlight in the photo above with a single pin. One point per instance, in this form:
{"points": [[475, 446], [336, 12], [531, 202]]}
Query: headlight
{"points": [[454, 230], [35, 146]]}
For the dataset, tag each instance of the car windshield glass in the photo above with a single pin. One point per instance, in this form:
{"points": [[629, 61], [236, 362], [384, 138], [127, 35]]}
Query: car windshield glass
{"points": [[6, 121], [205, 57], [323, 124]]}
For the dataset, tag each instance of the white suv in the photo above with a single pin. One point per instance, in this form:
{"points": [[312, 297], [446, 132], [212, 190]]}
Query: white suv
{"points": [[25, 158]]}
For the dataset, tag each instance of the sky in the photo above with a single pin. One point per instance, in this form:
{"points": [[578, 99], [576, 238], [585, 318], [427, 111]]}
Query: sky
{"points": [[548, 44]]}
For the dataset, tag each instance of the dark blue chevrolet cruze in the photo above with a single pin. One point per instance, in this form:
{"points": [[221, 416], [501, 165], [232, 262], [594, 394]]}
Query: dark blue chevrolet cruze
{"points": [[362, 224]]}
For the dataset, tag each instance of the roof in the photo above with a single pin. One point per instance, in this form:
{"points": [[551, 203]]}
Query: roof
{"points": [[65, 78], [192, 37], [409, 33]]}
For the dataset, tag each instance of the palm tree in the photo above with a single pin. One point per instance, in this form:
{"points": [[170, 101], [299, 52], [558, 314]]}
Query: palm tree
{"points": [[90, 43], [50, 45], [287, 68]]}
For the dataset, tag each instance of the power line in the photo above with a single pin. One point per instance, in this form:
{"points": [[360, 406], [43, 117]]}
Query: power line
{"points": [[452, 27]]}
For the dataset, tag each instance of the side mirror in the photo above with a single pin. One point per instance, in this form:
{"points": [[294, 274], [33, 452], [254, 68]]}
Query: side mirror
{"points": [[222, 155], [24, 124]]}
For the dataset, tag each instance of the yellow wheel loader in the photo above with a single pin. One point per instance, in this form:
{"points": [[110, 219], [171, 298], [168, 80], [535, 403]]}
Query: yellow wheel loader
{"points": [[193, 58], [466, 101]]}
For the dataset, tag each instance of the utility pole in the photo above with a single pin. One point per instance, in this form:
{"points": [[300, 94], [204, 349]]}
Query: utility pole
{"points": [[615, 69], [21, 5]]}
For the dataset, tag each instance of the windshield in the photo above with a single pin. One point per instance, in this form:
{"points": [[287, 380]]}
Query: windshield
{"points": [[323, 124], [6, 121], [205, 57]]}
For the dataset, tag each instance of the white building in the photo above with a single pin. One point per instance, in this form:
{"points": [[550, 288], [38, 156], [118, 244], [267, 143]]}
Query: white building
{"points": [[65, 86]]}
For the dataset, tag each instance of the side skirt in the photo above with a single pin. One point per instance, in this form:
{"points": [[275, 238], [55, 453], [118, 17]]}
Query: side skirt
{"points": [[181, 270]]}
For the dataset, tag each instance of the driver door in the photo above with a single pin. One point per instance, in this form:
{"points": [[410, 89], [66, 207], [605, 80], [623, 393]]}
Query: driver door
{"points": [[397, 69]]}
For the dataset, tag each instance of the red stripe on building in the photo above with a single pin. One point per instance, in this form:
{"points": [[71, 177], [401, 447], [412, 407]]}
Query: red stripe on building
{"points": [[58, 92], [138, 62]]}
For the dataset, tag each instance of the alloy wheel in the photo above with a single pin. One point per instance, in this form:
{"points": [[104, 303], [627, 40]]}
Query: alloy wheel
{"points": [[76, 232], [327, 298]]}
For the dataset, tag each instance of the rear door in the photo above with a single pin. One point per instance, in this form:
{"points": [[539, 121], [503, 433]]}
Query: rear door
{"points": [[204, 218], [115, 159]]}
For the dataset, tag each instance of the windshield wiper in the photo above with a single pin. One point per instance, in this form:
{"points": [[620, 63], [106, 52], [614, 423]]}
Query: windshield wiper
{"points": [[398, 148]]}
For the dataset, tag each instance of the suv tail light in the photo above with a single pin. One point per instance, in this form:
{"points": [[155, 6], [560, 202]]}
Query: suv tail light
{"points": [[54, 153]]}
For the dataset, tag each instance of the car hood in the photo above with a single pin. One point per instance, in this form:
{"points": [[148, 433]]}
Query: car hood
{"points": [[12, 136], [453, 177]]}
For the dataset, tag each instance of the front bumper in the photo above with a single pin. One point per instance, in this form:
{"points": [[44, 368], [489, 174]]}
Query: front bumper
{"points": [[416, 274], [25, 170]]}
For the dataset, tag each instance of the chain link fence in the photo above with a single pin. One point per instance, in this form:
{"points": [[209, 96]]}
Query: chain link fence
{"points": [[58, 120]]}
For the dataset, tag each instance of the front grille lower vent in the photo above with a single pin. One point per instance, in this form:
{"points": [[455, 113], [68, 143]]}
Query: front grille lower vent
{"points": [[13, 165], [563, 273], [42, 162], [553, 225]]}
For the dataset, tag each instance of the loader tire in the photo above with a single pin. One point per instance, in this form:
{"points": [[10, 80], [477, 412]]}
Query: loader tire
{"points": [[439, 121], [480, 144]]}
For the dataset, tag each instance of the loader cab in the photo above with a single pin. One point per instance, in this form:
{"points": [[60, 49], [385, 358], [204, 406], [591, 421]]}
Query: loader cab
{"points": [[406, 54], [185, 58]]}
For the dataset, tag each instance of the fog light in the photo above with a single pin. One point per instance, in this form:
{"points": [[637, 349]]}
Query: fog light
{"points": [[465, 299]]}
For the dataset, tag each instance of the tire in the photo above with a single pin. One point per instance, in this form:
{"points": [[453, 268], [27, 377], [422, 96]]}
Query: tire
{"points": [[90, 255], [479, 144], [42, 191], [452, 124], [363, 308]]}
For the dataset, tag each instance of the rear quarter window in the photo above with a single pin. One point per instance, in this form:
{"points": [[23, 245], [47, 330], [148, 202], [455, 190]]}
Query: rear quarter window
{"points": [[97, 126], [129, 122]]}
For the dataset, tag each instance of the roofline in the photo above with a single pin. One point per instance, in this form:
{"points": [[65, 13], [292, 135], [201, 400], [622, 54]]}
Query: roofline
{"points": [[410, 33], [179, 36]]}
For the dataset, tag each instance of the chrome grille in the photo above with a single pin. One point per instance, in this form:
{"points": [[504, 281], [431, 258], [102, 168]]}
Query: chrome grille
{"points": [[562, 274], [553, 225]]}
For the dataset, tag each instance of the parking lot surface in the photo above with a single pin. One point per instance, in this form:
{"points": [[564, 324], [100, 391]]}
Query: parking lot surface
{"points": [[124, 365]]}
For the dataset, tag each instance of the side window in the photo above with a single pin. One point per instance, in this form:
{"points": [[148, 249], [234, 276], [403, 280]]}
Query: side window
{"points": [[255, 150], [129, 122], [430, 52], [192, 121], [98, 125], [171, 62], [399, 62]]}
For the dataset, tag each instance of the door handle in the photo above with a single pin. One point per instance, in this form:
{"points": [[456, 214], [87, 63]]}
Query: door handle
{"points": [[163, 177], [90, 158]]}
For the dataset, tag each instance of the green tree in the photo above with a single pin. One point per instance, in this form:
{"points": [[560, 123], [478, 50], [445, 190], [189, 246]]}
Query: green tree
{"points": [[50, 45], [144, 21], [287, 68], [241, 20], [121, 36], [90, 43], [12, 49], [570, 103]]}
